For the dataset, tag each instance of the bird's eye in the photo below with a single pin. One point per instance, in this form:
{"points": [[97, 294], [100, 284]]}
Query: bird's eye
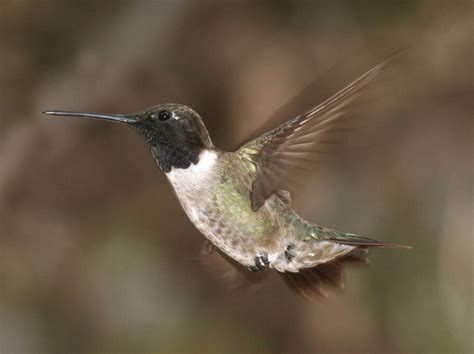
{"points": [[164, 115]]}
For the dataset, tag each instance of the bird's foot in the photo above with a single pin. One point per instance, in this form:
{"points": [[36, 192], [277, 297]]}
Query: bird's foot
{"points": [[261, 263]]}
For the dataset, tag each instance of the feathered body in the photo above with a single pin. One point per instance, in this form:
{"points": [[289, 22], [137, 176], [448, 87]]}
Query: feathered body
{"points": [[215, 195]]}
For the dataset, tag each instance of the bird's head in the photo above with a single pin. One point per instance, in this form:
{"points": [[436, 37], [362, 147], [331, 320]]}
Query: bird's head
{"points": [[175, 133]]}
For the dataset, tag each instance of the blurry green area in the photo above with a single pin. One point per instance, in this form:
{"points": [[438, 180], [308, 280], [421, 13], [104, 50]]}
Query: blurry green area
{"points": [[96, 255]]}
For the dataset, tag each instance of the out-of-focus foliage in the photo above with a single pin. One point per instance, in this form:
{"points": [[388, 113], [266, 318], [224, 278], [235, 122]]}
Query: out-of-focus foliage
{"points": [[95, 252]]}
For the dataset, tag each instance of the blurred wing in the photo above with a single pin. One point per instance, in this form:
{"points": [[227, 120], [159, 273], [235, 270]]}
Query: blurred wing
{"points": [[233, 275], [288, 148]]}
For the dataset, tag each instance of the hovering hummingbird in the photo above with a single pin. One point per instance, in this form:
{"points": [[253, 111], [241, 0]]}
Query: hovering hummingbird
{"points": [[238, 200]]}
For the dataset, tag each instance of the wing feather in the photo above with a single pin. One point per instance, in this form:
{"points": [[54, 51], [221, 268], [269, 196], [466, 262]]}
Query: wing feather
{"points": [[305, 138]]}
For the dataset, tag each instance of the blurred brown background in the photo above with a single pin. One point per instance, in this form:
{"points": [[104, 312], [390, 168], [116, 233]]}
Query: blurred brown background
{"points": [[96, 255]]}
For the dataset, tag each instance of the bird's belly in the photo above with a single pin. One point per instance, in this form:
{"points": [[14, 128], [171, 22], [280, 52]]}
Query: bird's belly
{"points": [[237, 231], [224, 234]]}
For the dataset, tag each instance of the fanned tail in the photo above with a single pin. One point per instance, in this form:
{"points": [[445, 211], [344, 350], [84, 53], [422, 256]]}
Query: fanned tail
{"points": [[312, 281]]}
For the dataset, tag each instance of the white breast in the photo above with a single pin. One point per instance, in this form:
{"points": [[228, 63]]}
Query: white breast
{"points": [[194, 187], [189, 178]]}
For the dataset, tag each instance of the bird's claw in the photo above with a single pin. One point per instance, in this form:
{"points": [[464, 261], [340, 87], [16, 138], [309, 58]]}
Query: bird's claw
{"points": [[261, 263]]}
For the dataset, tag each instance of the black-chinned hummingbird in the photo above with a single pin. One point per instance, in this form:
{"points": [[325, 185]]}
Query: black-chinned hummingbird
{"points": [[238, 199]]}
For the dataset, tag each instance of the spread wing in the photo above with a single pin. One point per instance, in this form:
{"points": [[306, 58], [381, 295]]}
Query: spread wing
{"points": [[279, 153]]}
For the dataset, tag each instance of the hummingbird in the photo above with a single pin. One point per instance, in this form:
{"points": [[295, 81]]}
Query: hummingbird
{"points": [[239, 201]]}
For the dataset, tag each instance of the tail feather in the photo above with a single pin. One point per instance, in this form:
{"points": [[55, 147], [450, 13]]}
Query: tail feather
{"points": [[332, 273], [306, 283], [367, 242], [358, 255], [351, 239], [312, 282]]}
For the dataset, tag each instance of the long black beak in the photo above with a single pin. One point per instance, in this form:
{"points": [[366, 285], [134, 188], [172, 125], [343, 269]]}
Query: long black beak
{"points": [[121, 118]]}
